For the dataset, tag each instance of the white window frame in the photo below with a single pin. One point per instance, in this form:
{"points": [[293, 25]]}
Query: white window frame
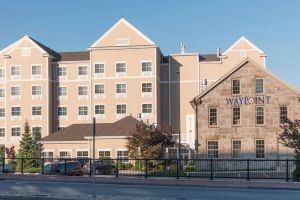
{"points": [[82, 117], [36, 117], [125, 42], [15, 97], [25, 51], [65, 150], [3, 117], [62, 117], [85, 96], [78, 150], [62, 97], [146, 115], [36, 76], [234, 153], [16, 136], [209, 117], [121, 94], [146, 94], [2, 137], [36, 126], [99, 95], [36, 96], [263, 86], [101, 116], [264, 149], [107, 150], [218, 149], [2, 97], [125, 160], [121, 115], [99, 75], [82, 76], [15, 117], [146, 73], [264, 115], [15, 77], [121, 74], [232, 87], [2, 74], [62, 77]]}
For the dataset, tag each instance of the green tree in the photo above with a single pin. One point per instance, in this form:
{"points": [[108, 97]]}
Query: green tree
{"points": [[27, 149], [38, 147], [147, 141], [10, 154], [290, 137]]}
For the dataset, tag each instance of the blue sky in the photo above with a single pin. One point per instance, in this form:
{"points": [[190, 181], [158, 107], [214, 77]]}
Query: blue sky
{"points": [[274, 26]]}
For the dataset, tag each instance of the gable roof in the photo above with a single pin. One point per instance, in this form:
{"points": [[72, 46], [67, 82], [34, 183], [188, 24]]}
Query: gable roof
{"points": [[234, 70], [122, 20], [243, 39], [77, 132], [42, 47], [74, 56]]}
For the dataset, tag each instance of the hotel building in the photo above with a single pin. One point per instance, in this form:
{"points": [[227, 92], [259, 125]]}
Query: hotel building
{"points": [[123, 73]]}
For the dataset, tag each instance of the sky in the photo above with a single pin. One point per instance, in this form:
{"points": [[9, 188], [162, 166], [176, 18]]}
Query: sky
{"points": [[203, 25]]}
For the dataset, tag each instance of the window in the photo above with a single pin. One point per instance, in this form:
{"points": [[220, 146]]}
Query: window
{"points": [[259, 115], [15, 91], [48, 154], [2, 132], [122, 42], [212, 149], [36, 110], [2, 112], [62, 91], [104, 154], [36, 70], [16, 131], [236, 116], [15, 71], [36, 129], [99, 68], [2, 73], [283, 114], [213, 117], [235, 86], [64, 154], [82, 71], [36, 90], [2, 93], [25, 51], [82, 154], [62, 71], [146, 87], [122, 155], [99, 109], [121, 109], [62, 111], [99, 89], [82, 110], [260, 148], [146, 108], [16, 111], [121, 88], [259, 86], [82, 90], [236, 148], [146, 66], [121, 67]]}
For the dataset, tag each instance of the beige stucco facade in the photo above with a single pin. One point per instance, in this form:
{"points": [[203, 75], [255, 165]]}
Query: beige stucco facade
{"points": [[154, 87]]}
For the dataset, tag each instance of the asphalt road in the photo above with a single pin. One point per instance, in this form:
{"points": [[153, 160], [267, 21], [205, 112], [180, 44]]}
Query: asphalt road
{"points": [[35, 190]]}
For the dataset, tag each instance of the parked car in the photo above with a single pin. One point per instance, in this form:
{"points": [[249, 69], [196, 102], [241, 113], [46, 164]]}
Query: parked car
{"points": [[105, 166], [8, 168], [73, 168]]}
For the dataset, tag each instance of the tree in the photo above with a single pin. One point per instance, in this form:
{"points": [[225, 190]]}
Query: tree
{"points": [[38, 147], [290, 137], [2, 152], [11, 154], [147, 141], [27, 149]]}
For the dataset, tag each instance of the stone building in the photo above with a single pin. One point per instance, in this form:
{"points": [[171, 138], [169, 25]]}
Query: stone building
{"points": [[239, 116]]}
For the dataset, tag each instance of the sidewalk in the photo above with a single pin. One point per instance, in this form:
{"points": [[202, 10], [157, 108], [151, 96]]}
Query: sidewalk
{"points": [[162, 181]]}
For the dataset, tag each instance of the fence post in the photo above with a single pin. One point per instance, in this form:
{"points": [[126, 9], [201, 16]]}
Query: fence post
{"points": [[287, 170], [177, 169], [22, 163], [117, 168], [248, 169], [65, 166], [211, 169], [146, 168], [43, 162], [3, 164]]}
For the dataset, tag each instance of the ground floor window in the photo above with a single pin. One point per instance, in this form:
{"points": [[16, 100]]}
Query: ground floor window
{"points": [[48, 155], [212, 149], [104, 154], [82, 154], [260, 148], [64, 154], [236, 148], [123, 155]]}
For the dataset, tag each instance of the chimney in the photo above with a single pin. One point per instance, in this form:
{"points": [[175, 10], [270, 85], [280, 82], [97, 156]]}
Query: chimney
{"points": [[182, 48], [218, 51]]}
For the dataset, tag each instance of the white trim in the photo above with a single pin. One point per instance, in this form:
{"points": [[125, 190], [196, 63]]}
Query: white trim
{"points": [[146, 94], [101, 95], [37, 97], [37, 77], [15, 77], [121, 74], [98, 75], [147, 115], [243, 39], [82, 77], [64, 142], [64, 150], [122, 94], [146, 73], [71, 62], [105, 137], [122, 20], [77, 150]]}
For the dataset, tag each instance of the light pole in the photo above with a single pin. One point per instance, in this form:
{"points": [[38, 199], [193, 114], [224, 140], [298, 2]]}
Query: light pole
{"points": [[179, 125], [93, 163]]}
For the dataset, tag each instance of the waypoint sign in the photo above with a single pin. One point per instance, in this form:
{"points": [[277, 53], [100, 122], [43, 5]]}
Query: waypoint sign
{"points": [[258, 100]]}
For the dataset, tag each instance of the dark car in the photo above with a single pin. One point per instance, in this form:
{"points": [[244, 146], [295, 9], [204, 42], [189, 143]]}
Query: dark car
{"points": [[72, 168], [105, 166]]}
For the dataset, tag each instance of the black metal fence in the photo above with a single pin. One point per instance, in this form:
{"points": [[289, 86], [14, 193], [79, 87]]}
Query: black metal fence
{"points": [[201, 168]]}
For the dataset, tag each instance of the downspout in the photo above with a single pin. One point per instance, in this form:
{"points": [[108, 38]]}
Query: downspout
{"points": [[196, 138]]}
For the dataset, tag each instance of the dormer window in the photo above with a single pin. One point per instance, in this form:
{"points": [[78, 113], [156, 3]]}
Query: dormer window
{"points": [[122, 41]]}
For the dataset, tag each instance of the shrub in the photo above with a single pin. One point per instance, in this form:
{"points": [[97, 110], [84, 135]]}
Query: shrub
{"points": [[296, 172], [190, 168]]}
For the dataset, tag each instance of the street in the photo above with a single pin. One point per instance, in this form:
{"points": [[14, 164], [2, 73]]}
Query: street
{"points": [[11, 189]]}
